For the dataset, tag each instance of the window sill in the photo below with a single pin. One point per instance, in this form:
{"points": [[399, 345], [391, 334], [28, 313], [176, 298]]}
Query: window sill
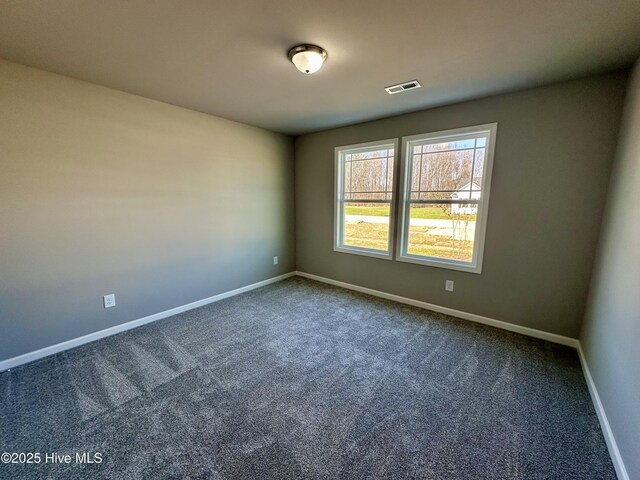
{"points": [[365, 252], [441, 263]]}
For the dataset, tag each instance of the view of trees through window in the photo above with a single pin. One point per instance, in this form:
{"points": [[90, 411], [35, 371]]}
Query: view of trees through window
{"points": [[446, 181], [368, 191]]}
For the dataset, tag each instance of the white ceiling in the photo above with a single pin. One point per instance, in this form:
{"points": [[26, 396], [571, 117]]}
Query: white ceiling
{"points": [[228, 58]]}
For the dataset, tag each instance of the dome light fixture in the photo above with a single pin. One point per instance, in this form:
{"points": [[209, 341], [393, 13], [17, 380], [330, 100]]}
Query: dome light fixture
{"points": [[307, 58]]}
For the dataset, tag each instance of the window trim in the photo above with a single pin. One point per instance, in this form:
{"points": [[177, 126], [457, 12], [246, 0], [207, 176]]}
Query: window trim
{"points": [[483, 210], [338, 200]]}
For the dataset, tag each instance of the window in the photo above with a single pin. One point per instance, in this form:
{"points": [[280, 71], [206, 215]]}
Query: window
{"points": [[364, 210], [445, 193]]}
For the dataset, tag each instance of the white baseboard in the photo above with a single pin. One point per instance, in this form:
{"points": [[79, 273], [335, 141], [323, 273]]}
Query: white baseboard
{"points": [[531, 332], [75, 342], [614, 452]]}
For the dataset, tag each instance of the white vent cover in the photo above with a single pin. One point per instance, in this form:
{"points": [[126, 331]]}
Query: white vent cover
{"points": [[403, 87]]}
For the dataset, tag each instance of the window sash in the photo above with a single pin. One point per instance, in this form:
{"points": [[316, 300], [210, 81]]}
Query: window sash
{"points": [[487, 131], [342, 197], [475, 148]]}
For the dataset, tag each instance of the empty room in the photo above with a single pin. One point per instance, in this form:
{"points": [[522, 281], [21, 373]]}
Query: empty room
{"points": [[319, 240]]}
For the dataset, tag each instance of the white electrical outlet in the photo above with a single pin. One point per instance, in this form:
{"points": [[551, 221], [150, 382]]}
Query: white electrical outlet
{"points": [[109, 300], [448, 285], [275, 260]]}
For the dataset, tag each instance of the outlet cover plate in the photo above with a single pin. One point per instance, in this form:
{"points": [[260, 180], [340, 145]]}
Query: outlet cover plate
{"points": [[109, 300]]}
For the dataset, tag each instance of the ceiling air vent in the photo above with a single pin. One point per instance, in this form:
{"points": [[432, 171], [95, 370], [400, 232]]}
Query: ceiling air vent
{"points": [[403, 87]]}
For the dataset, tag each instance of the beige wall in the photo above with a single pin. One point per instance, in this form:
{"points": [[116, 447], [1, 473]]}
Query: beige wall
{"points": [[105, 192], [554, 150], [611, 331]]}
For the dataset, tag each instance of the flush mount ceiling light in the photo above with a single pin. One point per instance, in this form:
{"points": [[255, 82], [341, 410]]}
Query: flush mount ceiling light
{"points": [[307, 58]]}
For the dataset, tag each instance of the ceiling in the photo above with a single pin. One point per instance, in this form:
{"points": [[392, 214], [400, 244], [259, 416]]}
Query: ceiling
{"points": [[228, 58]]}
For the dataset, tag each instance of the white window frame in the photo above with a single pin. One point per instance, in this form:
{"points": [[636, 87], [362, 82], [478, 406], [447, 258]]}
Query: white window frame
{"points": [[475, 266], [338, 202]]}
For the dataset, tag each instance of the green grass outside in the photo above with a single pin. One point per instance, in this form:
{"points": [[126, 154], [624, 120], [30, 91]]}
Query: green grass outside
{"points": [[376, 236], [435, 213]]}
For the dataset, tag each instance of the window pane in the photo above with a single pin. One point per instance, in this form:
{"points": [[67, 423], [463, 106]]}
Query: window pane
{"points": [[442, 231], [474, 194], [366, 225], [478, 168], [367, 196], [347, 176], [369, 154], [437, 195], [415, 167], [453, 145], [444, 170], [369, 176]]}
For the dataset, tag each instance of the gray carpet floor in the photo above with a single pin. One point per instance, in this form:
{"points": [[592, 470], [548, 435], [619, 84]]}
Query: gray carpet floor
{"points": [[304, 380]]}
